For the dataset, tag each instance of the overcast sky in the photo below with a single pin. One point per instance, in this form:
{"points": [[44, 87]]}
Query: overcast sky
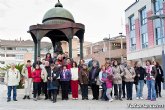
{"points": [[101, 17]]}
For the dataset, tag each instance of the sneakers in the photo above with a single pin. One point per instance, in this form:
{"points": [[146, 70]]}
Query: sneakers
{"points": [[8, 100], [24, 97], [137, 98], [35, 99], [38, 98], [153, 99], [28, 97], [15, 100], [141, 98], [110, 100]]}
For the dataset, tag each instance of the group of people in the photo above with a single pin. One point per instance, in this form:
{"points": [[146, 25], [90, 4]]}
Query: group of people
{"points": [[61, 73]]}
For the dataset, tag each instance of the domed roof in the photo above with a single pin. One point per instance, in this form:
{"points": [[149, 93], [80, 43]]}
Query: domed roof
{"points": [[57, 15]]}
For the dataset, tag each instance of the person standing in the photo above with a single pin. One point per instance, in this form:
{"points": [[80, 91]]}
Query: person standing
{"points": [[53, 82], [81, 63], [140, 73], [117, 79], [44, 75], [93, 76], [38, 61], [108, 81], [129, 75], [158, 79], [103, 75], [74, 81], [49, 58], [90, 63], [12, 79], [27, 74], [65, 77], [36, 75], [83, 78], [122, 66], [151, 74]]}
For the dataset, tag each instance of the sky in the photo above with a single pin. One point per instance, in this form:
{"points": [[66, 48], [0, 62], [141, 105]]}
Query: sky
{"points": [[100, 17]]}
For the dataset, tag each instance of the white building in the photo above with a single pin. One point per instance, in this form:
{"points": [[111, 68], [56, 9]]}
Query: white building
{"points": [[144, 38], [19, 51]]}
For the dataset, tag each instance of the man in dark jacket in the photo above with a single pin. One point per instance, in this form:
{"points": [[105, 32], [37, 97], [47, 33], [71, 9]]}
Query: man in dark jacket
{"points": [[93, 76]]}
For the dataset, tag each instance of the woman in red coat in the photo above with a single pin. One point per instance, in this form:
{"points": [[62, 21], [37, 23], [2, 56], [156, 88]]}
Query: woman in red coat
{"points": [[36, 75]]}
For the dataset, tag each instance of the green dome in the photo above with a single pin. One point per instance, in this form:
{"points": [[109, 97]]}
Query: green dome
{"points": [[57, 15]]}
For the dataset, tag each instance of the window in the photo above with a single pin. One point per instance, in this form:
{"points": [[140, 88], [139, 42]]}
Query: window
{"points": [[132, 33], [10, 55], [158, 36], [2, 62], [19, 57], [143, 16], [158, 7], [132, 23], [144, 40], [133, 43], [2, 55]]}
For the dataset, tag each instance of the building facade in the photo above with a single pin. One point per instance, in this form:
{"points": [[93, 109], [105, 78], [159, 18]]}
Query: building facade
{"points": [[113, 48], [144, 36], [19, 51]]}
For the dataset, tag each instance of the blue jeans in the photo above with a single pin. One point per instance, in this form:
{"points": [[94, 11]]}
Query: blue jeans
{"points": [[14, 92], [140, 88], [104, 97], [151, 89]]}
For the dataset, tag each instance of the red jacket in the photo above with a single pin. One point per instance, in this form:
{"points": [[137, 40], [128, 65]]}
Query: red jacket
{"points": [[69, 66], [36, 75]]}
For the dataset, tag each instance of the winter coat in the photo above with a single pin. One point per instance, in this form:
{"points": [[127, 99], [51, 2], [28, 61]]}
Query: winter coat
{"points": [[52, 83], [83, 76], [25, 72], [92, 80], [12, 78], [36, 75], [151, 73], [74, 74], [107, 81], [129, 74], [67, 74], [44, 73], [117, 75], [159, 73], [139, 71]]}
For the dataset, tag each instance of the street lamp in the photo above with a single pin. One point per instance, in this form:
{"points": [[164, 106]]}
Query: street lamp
{"points": [[161, 17]]}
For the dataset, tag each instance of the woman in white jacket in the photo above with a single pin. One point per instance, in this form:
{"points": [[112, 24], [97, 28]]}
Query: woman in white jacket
{"points": [[12, 79]]}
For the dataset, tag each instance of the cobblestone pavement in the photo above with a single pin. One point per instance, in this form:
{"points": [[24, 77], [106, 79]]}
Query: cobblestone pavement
{"points": [[77, 104]]}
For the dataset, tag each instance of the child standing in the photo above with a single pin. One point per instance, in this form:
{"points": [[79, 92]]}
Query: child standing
{"points": [[36, 75], [108, 81]]}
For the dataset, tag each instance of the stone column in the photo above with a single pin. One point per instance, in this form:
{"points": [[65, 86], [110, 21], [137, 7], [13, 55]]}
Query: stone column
{"points": [[35, 51], [70, 47], [38, 48], [81, 48]]}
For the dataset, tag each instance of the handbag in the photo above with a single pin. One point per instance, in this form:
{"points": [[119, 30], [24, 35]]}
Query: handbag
{"points": [[98, 82]]}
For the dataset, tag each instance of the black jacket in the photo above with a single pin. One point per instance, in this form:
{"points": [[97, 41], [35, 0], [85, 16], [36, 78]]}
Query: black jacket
{"points": [[141, 71], [93, 80], [159, 73]]}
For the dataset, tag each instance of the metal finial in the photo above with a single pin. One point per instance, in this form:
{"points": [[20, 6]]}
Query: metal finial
{"points": [[58, 4]]}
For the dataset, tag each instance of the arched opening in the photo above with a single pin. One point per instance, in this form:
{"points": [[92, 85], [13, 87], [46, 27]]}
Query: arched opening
{"points": [[56, 36], [46, 47]]}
